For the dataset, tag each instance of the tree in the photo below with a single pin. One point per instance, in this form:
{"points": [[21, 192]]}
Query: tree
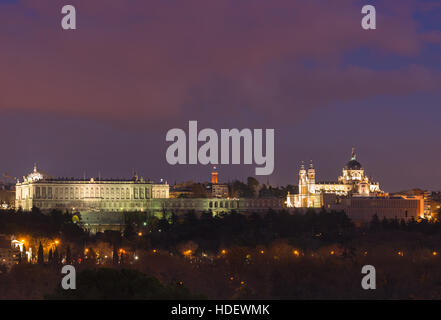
{"points": [[252, 184], [40, 254], [198, 190], [68, 255], [56, 257], [23, 256], [375, 223], [115, 254], [50, 257], [129, 232], [124, 284]]}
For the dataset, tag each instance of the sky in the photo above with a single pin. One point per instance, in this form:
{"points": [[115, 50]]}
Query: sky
{"points": [[99, 100]]}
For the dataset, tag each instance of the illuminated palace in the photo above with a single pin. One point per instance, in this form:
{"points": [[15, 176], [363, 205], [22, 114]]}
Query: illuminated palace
{"points": [[101, 203], [353, 182], [41, 190]]}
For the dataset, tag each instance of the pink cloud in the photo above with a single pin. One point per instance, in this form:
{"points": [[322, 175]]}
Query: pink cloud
{"points": [[154, 62]]}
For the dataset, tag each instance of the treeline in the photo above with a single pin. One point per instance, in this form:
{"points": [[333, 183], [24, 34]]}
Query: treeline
{"points": [[310, 230], [423, 226], [211, 233], [121, 284], [36, 224], [238, 189]]}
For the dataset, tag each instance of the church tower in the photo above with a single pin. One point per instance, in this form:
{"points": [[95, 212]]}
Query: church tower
{"points": [[303, 183], [311, 178], [214, 176]]}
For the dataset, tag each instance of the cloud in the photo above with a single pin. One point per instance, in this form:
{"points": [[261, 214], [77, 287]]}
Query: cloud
{"points": [[147, 64]]}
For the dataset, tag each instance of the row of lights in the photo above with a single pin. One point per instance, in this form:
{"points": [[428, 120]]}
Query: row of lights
{"points": [[224, 251]]}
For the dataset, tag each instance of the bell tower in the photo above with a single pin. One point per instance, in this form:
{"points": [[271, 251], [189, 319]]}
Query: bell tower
{"points": [[303, 183], [214, 176], [311, 178]]}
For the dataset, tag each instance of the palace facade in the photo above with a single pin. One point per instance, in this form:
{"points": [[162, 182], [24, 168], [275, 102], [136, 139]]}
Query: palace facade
{"points": [[352, 182], [42, 191], [102, 203]]}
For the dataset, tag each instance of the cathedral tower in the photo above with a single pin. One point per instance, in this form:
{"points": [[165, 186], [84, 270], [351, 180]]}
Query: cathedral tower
{"points": [[303, 183], [311, 178]]}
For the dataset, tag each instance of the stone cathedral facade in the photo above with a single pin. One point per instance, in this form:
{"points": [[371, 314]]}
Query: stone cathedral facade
{"points": [[352, 182]]}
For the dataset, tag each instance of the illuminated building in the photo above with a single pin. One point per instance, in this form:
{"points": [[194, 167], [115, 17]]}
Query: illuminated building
{"points": [[21, 245], [214, 176], [352, 182], [9, 253], [218, 190], [7, 198], [102, 202], [42, 191], [362, 209]]}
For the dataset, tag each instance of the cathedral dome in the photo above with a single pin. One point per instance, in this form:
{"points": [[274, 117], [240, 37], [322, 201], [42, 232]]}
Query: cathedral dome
{"points": [[353, 164], [36, 175]]}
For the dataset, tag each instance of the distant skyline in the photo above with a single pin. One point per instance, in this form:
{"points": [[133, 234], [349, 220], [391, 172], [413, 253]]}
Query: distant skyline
{"points": [[101, 98]]}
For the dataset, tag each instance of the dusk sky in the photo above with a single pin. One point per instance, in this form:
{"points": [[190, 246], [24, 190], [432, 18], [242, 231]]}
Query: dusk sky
{"points": [[100, 99]]}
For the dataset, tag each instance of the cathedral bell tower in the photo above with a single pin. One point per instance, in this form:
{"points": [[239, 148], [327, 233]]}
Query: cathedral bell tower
{"points": [[311, 178], [303, 181]]}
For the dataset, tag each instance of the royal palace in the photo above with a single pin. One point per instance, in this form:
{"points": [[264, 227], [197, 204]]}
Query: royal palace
{"points": [[41, 190], [102, 202]]}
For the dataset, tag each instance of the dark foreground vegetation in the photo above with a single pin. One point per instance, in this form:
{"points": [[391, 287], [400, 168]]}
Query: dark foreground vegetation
{"points": [[270, 256]]}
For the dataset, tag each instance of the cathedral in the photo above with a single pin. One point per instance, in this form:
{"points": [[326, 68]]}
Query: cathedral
{"points": [[352, 182]]}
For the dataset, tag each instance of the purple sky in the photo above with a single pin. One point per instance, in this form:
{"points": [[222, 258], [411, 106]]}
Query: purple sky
{"points": [[101, 98]]}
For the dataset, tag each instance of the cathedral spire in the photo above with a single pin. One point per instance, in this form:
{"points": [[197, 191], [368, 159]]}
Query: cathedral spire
{"points": [[353, 155], [35, 167], [311, 166], [303, 165]]}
